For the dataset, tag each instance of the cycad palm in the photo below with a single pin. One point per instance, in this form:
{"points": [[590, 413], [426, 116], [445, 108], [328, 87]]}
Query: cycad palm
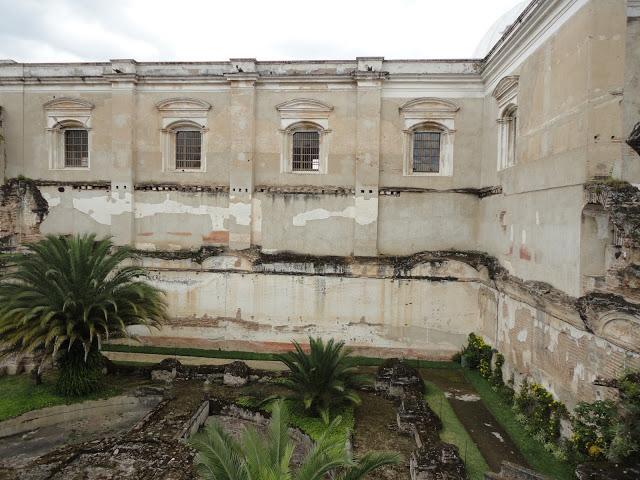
{"points": [[67, 294], [323, 378], [258, 457]]}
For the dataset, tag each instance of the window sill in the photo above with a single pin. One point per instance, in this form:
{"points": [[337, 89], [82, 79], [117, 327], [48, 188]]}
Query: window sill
{"points": [[427, 174], [82, 169], [305, 172], [187, 170]]}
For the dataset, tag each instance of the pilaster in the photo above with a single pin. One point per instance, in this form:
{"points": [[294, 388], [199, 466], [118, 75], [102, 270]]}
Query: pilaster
{"points": [[123, 102], [2, 149], [242, 118], [369, 78]]}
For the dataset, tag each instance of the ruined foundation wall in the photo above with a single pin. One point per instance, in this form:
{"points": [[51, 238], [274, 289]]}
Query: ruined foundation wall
{"points": [[554, 350], [413, 317]]}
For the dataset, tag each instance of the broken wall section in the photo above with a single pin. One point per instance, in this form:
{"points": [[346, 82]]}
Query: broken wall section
{"points": [[22, 211]]}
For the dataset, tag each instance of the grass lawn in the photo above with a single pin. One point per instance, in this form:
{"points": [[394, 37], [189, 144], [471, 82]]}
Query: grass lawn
{"points": [[539, 459], [454, 432], [18, 393]]}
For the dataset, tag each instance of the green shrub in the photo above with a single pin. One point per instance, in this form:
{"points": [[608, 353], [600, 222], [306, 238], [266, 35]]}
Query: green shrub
{"points": [[477, 355], [496, 376], [540, 411], [593, 426], [323, 379], [79, 377], [65, 295]]}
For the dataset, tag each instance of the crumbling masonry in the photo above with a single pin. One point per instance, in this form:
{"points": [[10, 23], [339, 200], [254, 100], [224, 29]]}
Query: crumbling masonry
{"points": [[522, 227]]}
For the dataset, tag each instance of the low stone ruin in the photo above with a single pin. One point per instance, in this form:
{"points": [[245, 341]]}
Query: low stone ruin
{"points": [[236, 374], [437, 462], [607, 471], [511, 471], [417, 419], [433, 459], [398, 380]]}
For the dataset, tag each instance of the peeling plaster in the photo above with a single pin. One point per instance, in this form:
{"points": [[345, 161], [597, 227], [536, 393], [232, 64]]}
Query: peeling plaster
{"points": [[52, 200], [301, 219], [364, 212], [103, 207], [522, 335]]}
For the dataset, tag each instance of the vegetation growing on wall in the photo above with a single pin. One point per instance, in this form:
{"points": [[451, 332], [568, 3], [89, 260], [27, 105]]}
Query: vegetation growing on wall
{"points": [[601, 430], [610, 429], [535, 408]]}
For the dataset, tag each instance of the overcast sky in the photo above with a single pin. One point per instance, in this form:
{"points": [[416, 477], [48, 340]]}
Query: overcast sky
{"points": [[147, 30]]}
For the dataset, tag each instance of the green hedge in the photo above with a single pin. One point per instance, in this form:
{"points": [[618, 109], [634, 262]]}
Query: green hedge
{"points": [[533, 450], [243, 355]]}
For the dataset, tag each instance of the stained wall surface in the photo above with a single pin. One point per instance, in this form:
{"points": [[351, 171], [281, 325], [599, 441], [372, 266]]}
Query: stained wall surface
{"points": [[569, 67]]}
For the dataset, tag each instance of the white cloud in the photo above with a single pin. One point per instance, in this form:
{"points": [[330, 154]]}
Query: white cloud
{"points": [[147, 30]]}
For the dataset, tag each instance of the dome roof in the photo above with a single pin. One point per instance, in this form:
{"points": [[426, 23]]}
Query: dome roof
{"points": [[497, 30]]}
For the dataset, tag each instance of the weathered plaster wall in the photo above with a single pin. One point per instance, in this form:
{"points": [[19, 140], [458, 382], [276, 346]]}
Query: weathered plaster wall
{"points": [[578, 96], [535, 234], [630, 168], [569, 130], [363, 304], [413, 222]]}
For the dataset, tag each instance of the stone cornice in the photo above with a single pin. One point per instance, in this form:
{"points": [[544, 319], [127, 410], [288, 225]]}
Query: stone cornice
{"points": [[535, 25]]}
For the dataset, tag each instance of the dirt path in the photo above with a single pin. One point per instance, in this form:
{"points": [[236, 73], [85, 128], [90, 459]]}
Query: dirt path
{"points": [[492, 440], [376, 429]]}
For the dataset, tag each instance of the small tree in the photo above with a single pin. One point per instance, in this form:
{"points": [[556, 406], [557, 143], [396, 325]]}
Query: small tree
{"points": [[67, 294], [323, 378], [268, 457]]}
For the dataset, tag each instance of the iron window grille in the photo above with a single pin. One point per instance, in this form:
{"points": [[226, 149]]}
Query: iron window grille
{"points": [[76, 148], [188, 149], [426, 152], [306, 152]]}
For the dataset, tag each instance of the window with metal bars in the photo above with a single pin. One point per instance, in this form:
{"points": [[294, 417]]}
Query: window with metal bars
{"points": [[188, 149], [306, 152], [426, 152], [76, 148]]}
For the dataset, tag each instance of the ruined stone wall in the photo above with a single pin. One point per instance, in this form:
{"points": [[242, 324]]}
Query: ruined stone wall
{"points": [[577, 97], [557, 351]]}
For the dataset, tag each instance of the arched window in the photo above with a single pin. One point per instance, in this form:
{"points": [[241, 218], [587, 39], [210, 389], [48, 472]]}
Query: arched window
{"points": [[426, 150], [188, 149], [506, 95], [184, 146], [304, 129], [76, 148], [184, 124], [69, 133], [429, 128], [429, 149], [508, 134], [306, 151], [304, 144]]}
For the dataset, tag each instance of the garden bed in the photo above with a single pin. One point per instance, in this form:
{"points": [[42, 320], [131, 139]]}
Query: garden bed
{"points": [[371, 426]]}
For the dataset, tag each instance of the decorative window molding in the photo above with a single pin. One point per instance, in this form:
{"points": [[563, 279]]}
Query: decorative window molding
{"points": [[65, 115], [506, 95], [183, 115], [428, 115], [507, 137], [304, 116]]}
